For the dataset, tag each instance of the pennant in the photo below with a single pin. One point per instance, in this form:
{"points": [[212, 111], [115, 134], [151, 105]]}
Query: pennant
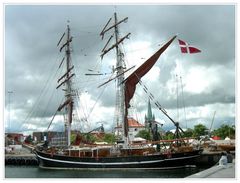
{"points": [[186, 48], [132, 80]]}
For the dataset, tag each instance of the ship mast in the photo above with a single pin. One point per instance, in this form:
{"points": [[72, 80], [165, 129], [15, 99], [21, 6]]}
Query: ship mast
{"points": [[68, 88], [68, 104], [120, 66]]}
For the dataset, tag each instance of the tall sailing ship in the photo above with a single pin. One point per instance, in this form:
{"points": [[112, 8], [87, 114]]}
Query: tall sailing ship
{"points": [[123, 154]]}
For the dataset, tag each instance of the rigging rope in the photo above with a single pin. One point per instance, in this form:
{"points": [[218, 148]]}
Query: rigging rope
{"points": [[53, 117], [78, 107], [98, 98], [46, 107], [43, 90], [158, 105], [151, 97]]}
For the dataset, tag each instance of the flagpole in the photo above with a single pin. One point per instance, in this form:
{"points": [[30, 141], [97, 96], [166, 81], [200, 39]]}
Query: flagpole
{"points": [[180, 76], [186, 49], [183, 101]]}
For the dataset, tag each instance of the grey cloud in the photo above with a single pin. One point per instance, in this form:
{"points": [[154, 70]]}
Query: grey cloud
{"points": [[32, 58]]}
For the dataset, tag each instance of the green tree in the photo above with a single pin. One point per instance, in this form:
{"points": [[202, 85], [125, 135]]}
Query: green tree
{"points": [[199, 130], [188, 133], [144, 134], [73, 138], [90, 138], [225, 131], [109, 138], [169, 135]]}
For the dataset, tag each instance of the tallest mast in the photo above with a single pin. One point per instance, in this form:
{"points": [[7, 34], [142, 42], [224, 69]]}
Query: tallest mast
{"points": [[120, 66]]}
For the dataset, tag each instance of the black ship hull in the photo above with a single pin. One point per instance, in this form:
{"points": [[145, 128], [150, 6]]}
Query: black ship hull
{"points": [[149, 161]]}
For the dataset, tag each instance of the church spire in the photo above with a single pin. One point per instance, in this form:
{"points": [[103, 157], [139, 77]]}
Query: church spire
{"points": [[149, 117], [149, 112]]}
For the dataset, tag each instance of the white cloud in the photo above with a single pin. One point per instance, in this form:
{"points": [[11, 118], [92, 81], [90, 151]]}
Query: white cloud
{"points": [[153, 75], [201, 79], [92, 113], [138, 52]]}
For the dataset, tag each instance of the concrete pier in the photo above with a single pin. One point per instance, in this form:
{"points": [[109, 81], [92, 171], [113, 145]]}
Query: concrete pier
{"points": [[217, 171], [21, 156]]}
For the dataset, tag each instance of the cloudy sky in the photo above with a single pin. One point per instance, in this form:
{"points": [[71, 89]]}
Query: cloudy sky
{"points": [[189, 87]]}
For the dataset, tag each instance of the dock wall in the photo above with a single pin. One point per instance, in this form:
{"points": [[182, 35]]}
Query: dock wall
{"points": [[21, 160]]}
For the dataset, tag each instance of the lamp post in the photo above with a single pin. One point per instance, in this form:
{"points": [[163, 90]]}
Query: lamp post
{"points": [[9, 110]]}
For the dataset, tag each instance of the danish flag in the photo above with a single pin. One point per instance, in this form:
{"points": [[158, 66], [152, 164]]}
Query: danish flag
{"points": [[186, 48]]}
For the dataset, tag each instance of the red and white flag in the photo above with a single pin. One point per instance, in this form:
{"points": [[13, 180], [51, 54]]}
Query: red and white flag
{"points": [[186, 48]]}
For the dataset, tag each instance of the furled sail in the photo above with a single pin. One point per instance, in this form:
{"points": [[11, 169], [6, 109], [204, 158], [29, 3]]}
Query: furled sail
{"points": [[132, 80]]}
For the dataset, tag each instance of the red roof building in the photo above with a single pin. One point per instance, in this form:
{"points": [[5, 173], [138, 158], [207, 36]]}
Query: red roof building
{"points": [[132, 123], [216, 138], [134, 128]]}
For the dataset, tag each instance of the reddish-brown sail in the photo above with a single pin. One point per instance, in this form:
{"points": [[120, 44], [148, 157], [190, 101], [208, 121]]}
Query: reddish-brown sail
{"points": [[132, 80]]}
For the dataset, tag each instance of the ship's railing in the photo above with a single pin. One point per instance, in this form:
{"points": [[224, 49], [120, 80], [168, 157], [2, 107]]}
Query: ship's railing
{"points": [[58, 141]]}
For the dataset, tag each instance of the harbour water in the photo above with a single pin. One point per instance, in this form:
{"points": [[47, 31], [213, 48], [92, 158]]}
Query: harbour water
{"points": [[12, 171]]}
